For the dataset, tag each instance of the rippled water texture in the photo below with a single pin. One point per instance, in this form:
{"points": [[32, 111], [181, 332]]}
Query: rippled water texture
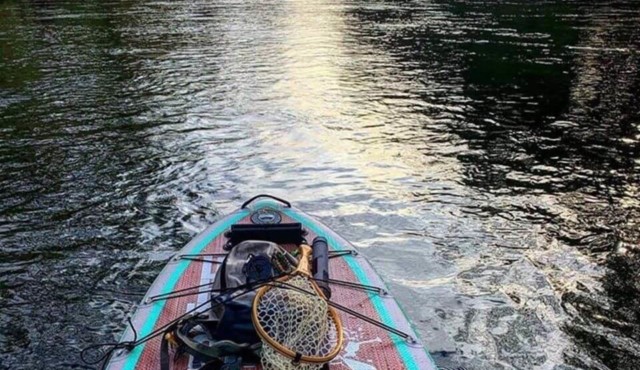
{"points": [[483, 155]]}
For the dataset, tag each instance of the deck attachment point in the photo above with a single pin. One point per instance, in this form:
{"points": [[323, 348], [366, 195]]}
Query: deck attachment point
{"points": [[266, 216], [413, 342]]}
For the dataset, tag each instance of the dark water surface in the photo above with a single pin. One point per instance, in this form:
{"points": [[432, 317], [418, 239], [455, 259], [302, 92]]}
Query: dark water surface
{"points": [[483, 154]]}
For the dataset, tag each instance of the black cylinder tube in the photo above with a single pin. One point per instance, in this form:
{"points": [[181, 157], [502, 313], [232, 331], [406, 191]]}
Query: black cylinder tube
{"points": [[320, 264]]}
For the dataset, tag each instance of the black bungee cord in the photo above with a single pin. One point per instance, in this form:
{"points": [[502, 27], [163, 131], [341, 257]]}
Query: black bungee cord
{"points": [[129, 345], [405, 336]]}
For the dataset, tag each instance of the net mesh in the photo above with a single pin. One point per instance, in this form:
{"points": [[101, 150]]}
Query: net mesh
{"points": [[298, 321]]}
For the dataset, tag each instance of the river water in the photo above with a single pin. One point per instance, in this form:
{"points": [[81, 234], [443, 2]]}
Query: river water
{"points": [[483, 155]]}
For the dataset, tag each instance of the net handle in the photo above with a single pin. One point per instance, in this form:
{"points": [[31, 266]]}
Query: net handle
{"points": [[303, 261]]}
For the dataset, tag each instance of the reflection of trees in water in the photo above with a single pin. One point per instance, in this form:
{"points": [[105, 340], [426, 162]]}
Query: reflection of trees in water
{"points": [[68, 147], [550, 105], [570, 129], [604, 149]]}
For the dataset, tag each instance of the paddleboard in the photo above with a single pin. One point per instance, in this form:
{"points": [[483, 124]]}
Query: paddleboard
{"points": [[366, 347]]}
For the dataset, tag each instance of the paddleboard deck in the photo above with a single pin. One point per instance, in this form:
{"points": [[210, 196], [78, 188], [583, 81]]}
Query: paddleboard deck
{"points": [[366, 347]]}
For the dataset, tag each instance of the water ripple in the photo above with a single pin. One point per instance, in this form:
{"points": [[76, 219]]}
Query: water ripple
{"points": [[483, 155]]}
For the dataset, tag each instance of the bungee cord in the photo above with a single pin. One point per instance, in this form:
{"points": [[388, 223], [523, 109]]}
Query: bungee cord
{"points": [[343, 253], [349, 311], [129, 345], [250, 287], [349, 284], [186, 258]]}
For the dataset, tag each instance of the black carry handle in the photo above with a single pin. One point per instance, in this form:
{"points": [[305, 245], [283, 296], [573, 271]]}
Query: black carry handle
{"points": [[292, 233], [320, 264], [245, 204]]}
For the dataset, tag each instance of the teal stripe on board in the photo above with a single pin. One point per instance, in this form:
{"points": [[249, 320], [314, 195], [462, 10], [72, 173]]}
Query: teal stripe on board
{"points": [[386, 318], [134, 355]]}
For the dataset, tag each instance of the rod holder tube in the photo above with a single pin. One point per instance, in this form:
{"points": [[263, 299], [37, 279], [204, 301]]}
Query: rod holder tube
{"points": [[320, 264]]}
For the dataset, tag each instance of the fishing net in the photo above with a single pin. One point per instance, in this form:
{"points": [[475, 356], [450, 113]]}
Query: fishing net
{"points": [[299, 329]]}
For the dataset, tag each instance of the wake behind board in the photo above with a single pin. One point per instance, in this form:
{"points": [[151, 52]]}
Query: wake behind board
{"points": [[366, 347]]}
